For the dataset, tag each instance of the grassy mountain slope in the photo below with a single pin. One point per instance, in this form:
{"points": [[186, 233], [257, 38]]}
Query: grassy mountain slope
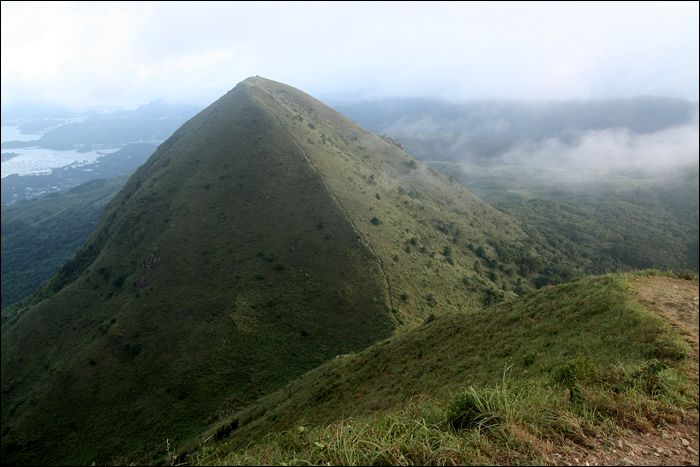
{"points": [[559, 365], [38, 236], [266, 236]]}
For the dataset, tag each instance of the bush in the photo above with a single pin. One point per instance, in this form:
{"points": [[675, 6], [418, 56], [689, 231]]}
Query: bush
{"points": [[574, 372], [118, 282], [132, 349], [375, 221], [474, 409]]}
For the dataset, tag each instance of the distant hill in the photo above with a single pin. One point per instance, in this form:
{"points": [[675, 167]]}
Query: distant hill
{"points": [[267, 235], [153, 122], [519, 120], [21, 111]]}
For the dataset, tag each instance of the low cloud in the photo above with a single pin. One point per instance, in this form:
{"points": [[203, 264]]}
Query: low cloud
{"points": [[603, 151]]}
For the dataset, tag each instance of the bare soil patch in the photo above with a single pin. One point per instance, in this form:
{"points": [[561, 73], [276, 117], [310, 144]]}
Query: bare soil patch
{"points": [[677, 301], [674, 299]]}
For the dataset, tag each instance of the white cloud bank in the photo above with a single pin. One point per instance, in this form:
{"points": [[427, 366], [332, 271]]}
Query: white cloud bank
{"points": [[128, 53]]}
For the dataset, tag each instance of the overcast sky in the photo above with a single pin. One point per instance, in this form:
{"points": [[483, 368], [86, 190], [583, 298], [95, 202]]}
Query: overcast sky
{"points": [[128, 54]]}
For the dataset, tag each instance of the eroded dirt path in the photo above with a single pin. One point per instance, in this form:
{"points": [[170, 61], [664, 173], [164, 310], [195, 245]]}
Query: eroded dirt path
{"points": [[674, 299], [677, 301]]}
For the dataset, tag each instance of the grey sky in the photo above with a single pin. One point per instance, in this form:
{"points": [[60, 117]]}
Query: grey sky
{"points": [[131, 53]]}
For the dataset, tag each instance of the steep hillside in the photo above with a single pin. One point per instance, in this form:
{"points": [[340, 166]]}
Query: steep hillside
{"points": [[266, 236], [564, 374]]}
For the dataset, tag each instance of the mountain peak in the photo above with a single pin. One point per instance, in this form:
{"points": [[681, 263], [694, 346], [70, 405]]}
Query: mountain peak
{"points": [[267, 235]]}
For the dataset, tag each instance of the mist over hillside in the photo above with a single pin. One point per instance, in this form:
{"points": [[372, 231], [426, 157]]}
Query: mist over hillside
{"points": [[523, 121], [629, 166]]}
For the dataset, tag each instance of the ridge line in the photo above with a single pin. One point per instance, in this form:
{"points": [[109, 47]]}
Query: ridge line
{"points": [[345, 212]]}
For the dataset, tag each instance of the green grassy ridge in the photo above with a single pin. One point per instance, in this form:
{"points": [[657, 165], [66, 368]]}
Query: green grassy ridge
{"points": [[40, 235], [535, 338], [240, 256]]}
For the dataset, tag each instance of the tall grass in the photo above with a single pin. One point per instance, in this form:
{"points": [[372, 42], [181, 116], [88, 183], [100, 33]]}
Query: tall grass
{"points": [[581, 359], [513, 422]]}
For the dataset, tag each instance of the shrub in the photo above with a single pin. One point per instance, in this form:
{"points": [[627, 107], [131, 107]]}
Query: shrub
{"points": [[474, 409], [132, 349], [375, 221], [118, 282], [573, 372], [432, 301], [529, 358]]}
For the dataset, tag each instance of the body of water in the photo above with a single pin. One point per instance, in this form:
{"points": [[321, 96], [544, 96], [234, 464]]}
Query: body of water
{"points": [[33, 161], [12, 133]]}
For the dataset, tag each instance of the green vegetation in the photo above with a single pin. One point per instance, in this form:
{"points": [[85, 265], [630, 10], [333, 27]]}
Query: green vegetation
{"points": [[38, 236], [626, 220], [571, 361], [273, 268], [175, 258]]}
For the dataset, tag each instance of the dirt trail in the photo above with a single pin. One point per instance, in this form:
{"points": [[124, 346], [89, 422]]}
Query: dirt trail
{"points": [[677, 301]]}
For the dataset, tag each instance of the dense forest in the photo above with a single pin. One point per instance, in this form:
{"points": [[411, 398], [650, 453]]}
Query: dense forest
{"points": [[38, 236]]}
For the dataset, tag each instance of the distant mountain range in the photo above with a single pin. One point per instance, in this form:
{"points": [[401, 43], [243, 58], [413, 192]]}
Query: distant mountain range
{"points": [[519, 120], [149, 123]]}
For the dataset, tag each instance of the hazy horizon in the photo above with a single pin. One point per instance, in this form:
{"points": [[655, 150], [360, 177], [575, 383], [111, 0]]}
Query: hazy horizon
{"points": [[129, 54]]}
